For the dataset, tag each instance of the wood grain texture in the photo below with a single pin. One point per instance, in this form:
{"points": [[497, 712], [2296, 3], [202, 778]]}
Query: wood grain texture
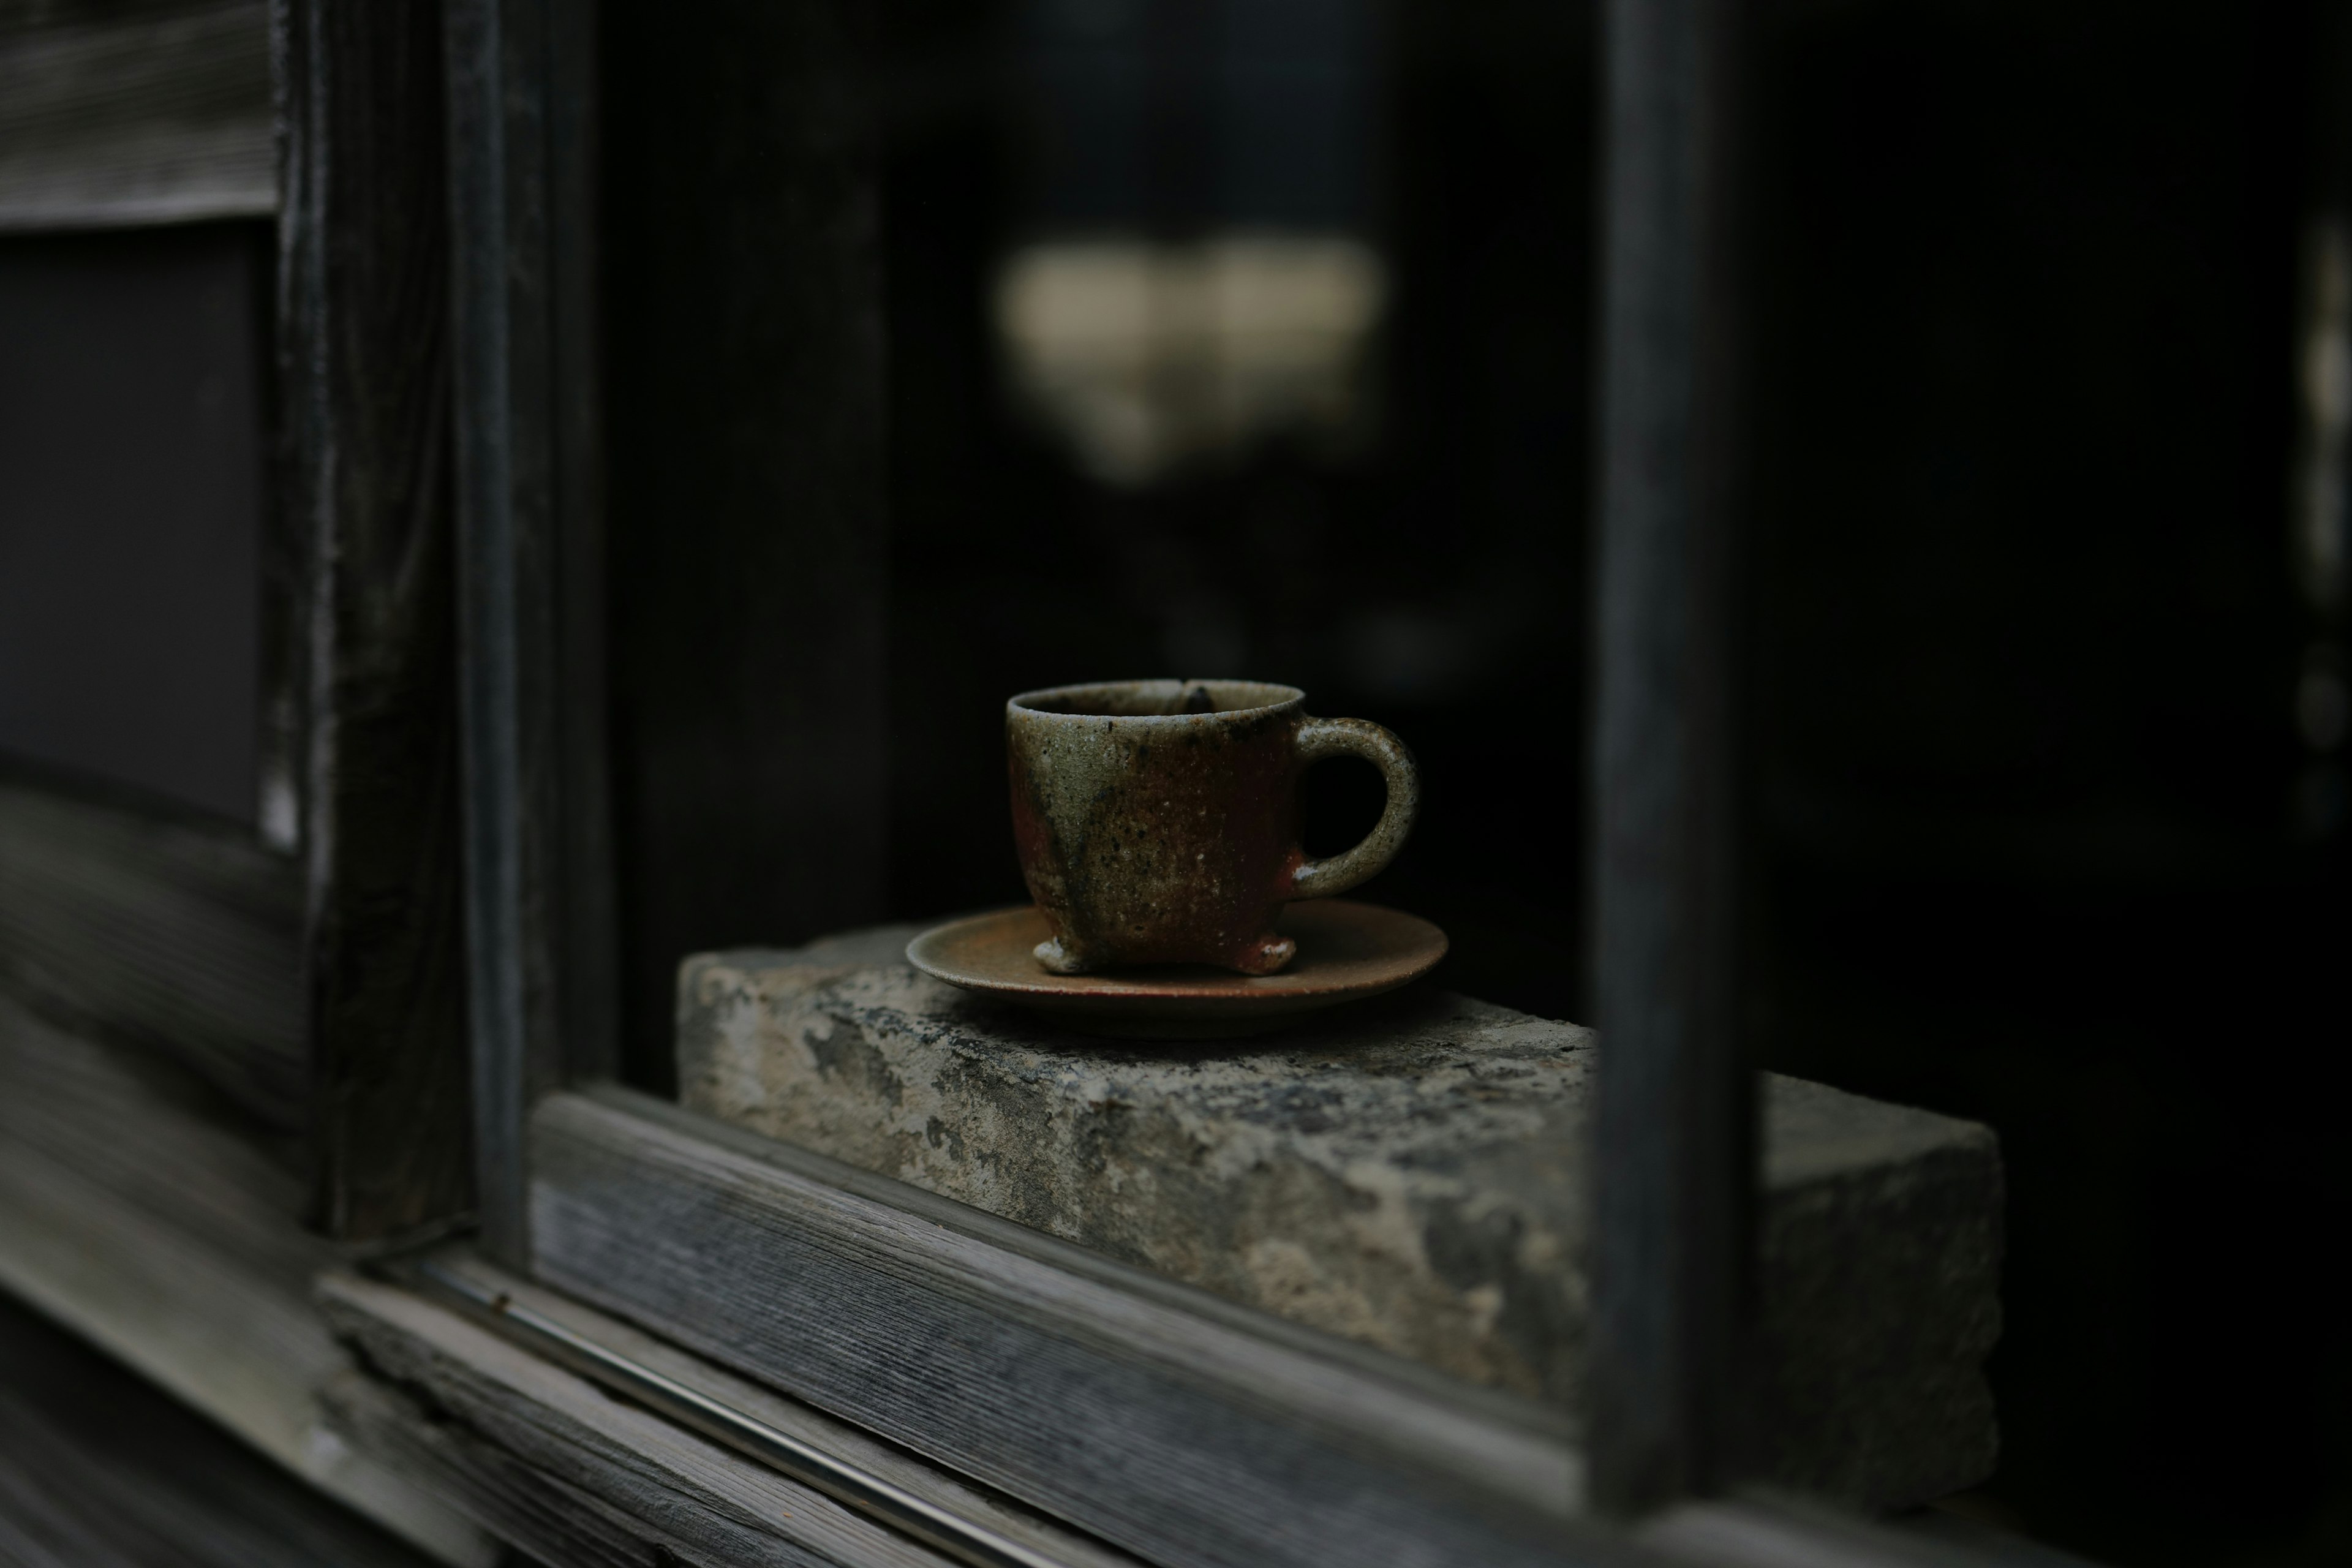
{"points": [[526, 1507], [363, 336], [539, 898], [549, 1463], [182, 937], [137, 114], [101, 1469], [533, 1435], [749, 535], [1177, 1425], [137, 1208], [664, 1372], [1675, 1228]]}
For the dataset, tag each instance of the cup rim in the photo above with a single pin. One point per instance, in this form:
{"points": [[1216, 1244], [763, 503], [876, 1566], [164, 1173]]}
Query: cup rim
{"points": [[1281, 696]]}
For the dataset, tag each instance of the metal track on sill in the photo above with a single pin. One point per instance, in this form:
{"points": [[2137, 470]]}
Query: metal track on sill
{"points": [[943, 1531]]}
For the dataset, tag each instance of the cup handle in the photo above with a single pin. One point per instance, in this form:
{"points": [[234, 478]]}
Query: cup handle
{"points": [[1319, 737]]}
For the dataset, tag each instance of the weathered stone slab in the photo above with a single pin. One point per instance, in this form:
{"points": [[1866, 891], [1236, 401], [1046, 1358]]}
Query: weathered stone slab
{"points": [[1408, 1172]]}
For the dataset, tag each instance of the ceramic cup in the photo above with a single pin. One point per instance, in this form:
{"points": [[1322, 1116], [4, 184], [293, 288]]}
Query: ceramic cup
{"points": [[1157, 821]]}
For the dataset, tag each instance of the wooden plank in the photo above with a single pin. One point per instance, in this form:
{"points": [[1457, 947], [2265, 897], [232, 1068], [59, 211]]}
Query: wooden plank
{"points": [[1675, 1117], [528, 1508], [1177, 1425], [133, 1211], [518, 1433], [544, 1459], [101, 1469], [116, 114], [363, 337], [182, 937], [846, 1463], [539, 901]]}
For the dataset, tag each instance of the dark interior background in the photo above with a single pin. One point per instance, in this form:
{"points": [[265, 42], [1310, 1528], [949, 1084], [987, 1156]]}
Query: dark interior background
{"points": [[2032, 834], [131, 487], [1430, 580], [2037, 839]]}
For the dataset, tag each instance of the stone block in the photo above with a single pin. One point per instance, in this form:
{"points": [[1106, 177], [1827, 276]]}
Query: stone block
{"points": [[1408, 1173]]}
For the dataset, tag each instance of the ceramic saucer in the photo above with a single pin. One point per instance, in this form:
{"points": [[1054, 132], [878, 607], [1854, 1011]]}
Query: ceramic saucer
{"points": [[1347, 952]]}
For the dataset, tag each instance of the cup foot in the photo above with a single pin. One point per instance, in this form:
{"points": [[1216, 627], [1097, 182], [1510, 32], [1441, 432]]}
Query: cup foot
{"points": [[1265, 956]]}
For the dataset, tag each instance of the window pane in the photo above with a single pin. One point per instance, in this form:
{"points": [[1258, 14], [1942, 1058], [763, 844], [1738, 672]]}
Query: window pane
{"points": [[1243, 338], [130, 508]]}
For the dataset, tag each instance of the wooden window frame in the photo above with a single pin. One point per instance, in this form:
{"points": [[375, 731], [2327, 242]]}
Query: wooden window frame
{"points": [[234, 1046], [436, 726], [309, 968], [124, 915], [1163, 1420]]}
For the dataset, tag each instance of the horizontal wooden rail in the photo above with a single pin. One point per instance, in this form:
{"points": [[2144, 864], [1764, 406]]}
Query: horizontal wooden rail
{"points": [[1163, 1419], [183, 938], [114, 115], [137, 1211]]}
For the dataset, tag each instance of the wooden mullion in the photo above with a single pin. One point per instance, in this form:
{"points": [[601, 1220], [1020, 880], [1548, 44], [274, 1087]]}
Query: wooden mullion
{"points": [[538, 902], [1675, 1139], [363, 327]]}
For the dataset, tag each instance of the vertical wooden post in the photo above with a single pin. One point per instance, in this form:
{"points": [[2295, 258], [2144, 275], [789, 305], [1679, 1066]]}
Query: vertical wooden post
{"points": [[539, 902], [365, 725], [1673, 1140]]}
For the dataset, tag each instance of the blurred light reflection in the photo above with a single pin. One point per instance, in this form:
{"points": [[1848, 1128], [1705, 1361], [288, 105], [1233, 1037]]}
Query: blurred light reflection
{"points": [[1145, 356]]}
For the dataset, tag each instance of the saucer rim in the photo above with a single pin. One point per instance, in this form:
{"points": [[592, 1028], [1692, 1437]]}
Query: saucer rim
{"points": [[1218, 992]]}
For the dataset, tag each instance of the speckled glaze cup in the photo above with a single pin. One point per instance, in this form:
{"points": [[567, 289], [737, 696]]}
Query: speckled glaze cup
{"points": [[1157, 821]]}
